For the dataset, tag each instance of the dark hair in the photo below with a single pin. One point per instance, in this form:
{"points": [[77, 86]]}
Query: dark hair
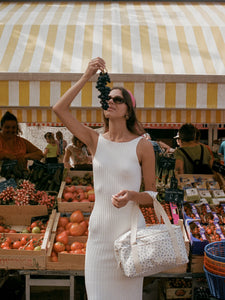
{"points": [[49, 135], [59, 134], [75, 140], [187, 132], [132, 122], [8, 116]]}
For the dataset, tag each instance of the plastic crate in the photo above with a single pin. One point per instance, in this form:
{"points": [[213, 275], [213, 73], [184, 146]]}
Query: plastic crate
{"points": [[216, 251], [216, 284]]}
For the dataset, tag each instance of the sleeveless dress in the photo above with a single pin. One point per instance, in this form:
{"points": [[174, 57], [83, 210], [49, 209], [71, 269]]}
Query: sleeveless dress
{"points": [[115, 167]]}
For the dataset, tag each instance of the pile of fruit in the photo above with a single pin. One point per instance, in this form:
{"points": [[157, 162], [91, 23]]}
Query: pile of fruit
{"points": [[85, 180], [26, 194], [74, 193], [24, 243], [73, 226], [150, 216]]}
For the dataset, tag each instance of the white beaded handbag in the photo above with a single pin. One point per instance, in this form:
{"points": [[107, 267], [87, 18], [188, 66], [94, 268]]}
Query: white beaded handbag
{"points": [[153, 249]]}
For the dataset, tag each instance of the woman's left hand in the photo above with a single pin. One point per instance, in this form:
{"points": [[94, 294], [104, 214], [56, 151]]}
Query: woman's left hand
{"points": [[121, 199]]}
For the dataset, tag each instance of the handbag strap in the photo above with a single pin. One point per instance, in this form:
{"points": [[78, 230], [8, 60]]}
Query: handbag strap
{"points": [[160, 212]]}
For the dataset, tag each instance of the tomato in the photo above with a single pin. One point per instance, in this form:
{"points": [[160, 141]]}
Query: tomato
{"points": [[5, 244], [63, 221], [34, 224], [68, 180], [54, 258], [76, 229], [76, 245], [60, 229], [12, 231], [76, 216], [91, 197], [83, 224], [2, 228], [62, 237], [80, 196], [89, 188], [30, 246], [54, 253], [68, 247], [16, 244], [78, 251], [68, 196], [8, 240], [24, 240], [59, 247], [71, 188]]}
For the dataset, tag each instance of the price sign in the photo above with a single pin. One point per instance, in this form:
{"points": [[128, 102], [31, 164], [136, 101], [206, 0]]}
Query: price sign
{"points": [[174, 195]]}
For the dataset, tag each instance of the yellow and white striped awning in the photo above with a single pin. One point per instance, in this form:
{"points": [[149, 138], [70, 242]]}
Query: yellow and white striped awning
{"points": [[170, 55]]}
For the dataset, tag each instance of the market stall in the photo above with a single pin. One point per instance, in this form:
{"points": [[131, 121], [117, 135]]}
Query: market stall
{"points": [[170, 55]]}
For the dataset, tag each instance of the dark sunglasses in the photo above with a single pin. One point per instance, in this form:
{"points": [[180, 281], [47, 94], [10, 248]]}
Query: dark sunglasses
{"points": [[117, 100]]}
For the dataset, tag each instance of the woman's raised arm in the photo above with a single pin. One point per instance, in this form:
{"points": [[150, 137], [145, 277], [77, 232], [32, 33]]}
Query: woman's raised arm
{"points": [[62, 107]]}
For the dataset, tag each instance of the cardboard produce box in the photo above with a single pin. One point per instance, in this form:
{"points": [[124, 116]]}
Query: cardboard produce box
{"points": [[20, 219]]}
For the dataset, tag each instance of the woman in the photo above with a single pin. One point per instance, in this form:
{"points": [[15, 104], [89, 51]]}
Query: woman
{"points": [[120, 157], [61, 145], [51, 150], [14, 147], [76, 155]]}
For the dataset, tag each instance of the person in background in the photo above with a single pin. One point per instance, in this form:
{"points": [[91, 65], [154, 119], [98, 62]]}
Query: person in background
{"points": [[76, 155], [187, 136], [61, 145], [222, 151], [197, 139], [177, 139], [51, 150], [14, 147], [121, 158]]}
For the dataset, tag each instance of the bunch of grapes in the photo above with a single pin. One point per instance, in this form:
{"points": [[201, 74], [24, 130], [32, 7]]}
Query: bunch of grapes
{"points": [[102, 81]]}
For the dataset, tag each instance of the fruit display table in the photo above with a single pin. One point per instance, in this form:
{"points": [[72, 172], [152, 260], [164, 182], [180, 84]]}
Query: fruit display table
{"points": [[50, 278]]}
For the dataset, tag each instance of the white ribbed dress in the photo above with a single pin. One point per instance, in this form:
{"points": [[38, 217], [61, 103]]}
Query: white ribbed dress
{"points": [[115, 167]]}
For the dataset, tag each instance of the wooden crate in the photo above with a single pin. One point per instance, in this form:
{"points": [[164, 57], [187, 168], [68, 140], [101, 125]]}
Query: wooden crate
{"points": [[182, 268], [21, 215], [72, 206], [197, 263], [191, 177], [66, 261], [24, 259], [181, 291]]}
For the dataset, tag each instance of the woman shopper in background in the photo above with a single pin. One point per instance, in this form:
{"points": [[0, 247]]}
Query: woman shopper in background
{"points": [[120, 158], [51, 150], [61, 145], [14, 147], [76, 156]]}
